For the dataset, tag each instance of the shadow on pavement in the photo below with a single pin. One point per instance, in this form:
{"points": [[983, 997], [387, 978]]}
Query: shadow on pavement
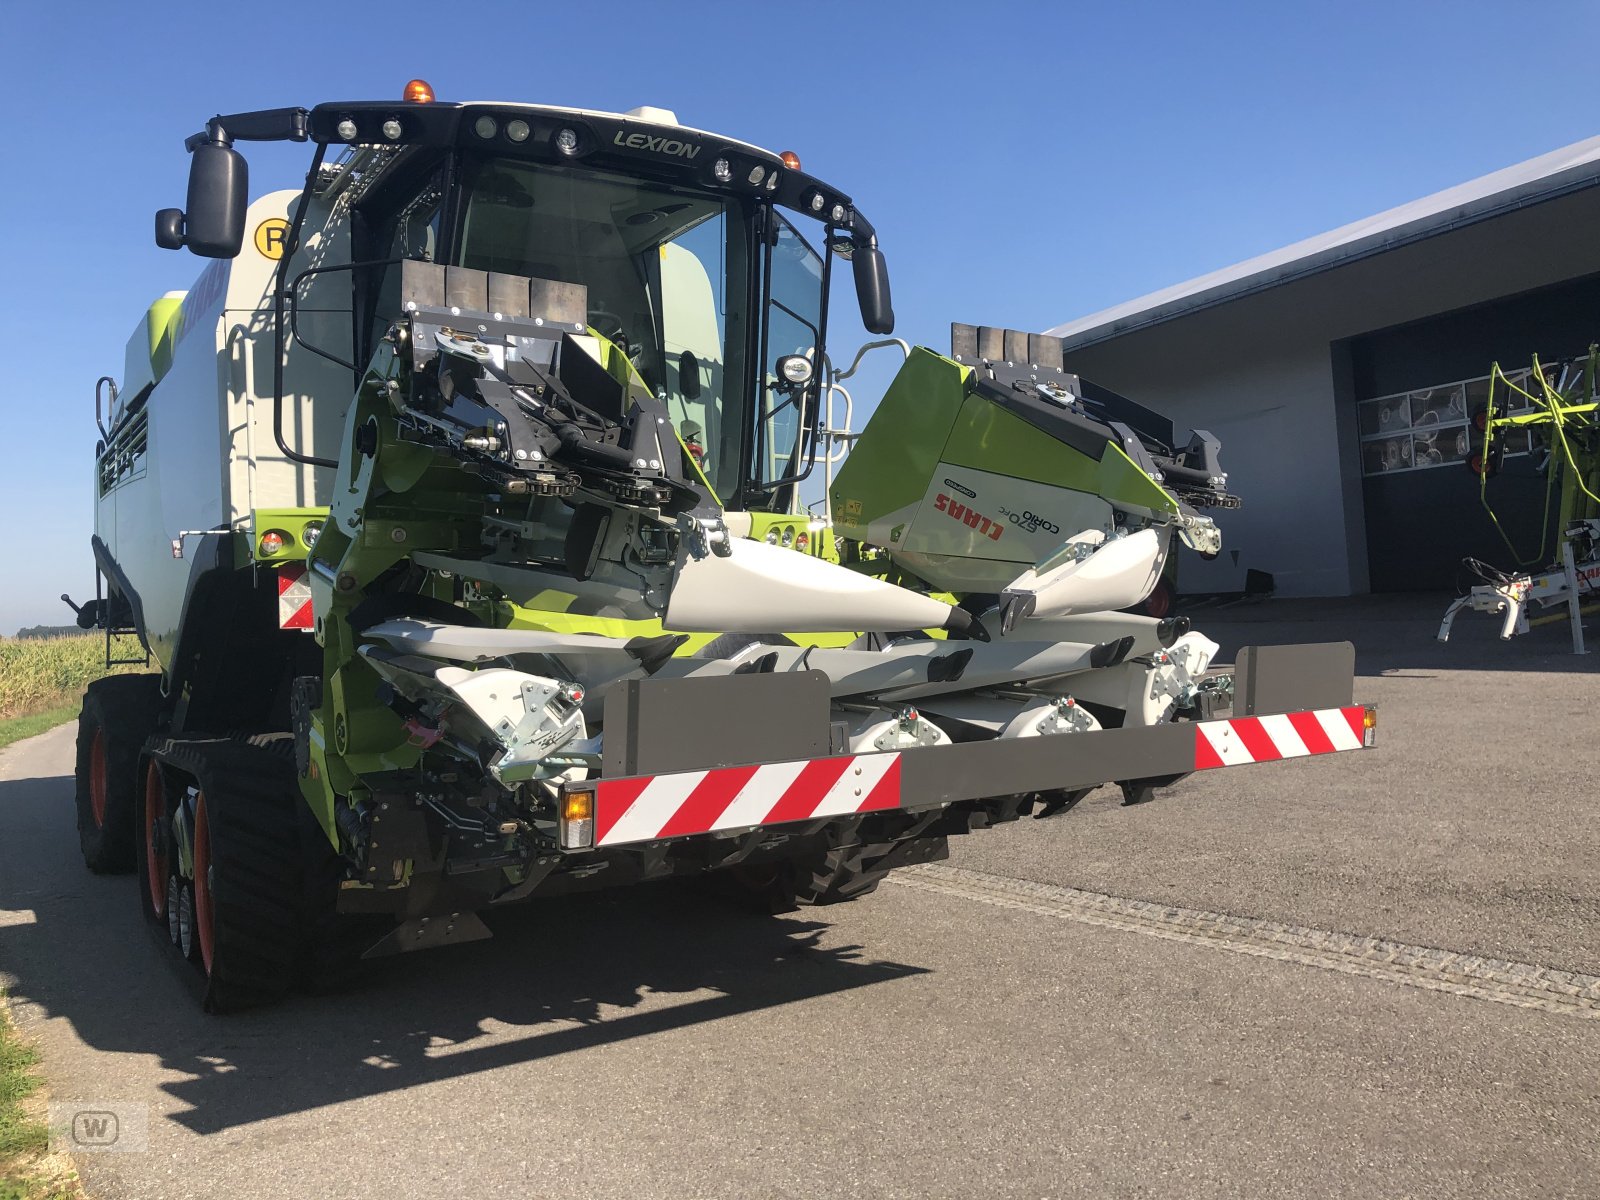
{"points": [[566, 974], [1396, 632]]}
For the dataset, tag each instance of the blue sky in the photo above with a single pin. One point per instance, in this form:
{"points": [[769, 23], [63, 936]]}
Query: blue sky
{"points": [[1024, 163]]}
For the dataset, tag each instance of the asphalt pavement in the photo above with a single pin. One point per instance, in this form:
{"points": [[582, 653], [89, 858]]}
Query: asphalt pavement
{"points": [[980, 1029]]}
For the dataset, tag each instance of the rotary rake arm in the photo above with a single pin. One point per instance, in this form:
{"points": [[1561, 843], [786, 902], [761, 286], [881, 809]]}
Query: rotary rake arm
{"points": [[1559, 411]]}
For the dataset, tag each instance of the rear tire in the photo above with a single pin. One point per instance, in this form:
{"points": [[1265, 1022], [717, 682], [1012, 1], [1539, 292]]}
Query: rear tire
{"points": [[119, 714], [331, 959]]}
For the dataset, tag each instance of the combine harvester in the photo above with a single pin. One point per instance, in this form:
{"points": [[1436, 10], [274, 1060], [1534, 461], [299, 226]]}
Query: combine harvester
{"points": [[460, 503]]}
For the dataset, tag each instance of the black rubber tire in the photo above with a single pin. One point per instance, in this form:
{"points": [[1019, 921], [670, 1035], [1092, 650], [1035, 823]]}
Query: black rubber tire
{"points": [[840, 875], [246, 829], [826, 877], [766, 889], [332, 943], [120, 712], [331, 954]]}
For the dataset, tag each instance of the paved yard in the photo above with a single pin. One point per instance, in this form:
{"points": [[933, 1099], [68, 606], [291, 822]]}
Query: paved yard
{"points": [[1010, 1024]]}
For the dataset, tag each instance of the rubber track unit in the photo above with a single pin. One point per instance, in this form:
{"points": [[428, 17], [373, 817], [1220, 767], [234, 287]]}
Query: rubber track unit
{"points": [[1524, 985], [849, 872], [126, 708], [252, 806]]}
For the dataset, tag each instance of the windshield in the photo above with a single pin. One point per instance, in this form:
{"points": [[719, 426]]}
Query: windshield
{"points": [[668, 274]]}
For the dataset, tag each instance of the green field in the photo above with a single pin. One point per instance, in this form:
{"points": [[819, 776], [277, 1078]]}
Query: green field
{"points": [[42, 681]]}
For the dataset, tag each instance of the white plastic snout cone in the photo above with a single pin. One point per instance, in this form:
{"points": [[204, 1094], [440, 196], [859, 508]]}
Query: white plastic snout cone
{"points": [[758, 588], [1119, 574]]}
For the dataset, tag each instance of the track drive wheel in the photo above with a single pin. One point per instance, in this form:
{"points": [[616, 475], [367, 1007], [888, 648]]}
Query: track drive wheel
{"points": [[119, 714], [153, 837], [240, 913]]}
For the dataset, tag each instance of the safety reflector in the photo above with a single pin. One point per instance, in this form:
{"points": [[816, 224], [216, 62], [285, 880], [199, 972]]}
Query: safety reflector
{"points": [[1232, 743], [645, 808], [294, 597]]}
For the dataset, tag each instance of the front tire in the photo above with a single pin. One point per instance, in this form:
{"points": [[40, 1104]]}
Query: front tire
{"points": [[119, 714]]}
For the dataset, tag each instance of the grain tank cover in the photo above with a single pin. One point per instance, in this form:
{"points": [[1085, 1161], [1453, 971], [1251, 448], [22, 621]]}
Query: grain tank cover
{"points": [[149, 351]]}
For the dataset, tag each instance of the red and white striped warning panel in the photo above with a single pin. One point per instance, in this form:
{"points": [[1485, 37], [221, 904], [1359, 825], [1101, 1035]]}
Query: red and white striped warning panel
{"points": [[645, 808], [294, 597], [1232, 743]]}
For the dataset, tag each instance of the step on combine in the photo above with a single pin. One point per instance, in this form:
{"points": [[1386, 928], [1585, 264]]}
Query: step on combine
{"points": [[492, 509]]}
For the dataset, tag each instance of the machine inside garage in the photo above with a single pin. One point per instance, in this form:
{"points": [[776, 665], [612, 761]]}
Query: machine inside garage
{"points": [[1343, 372], [1417, 388]]}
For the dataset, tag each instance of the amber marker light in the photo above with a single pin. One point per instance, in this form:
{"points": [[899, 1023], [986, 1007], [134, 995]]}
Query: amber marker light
{"points": [[1369, 727], [577, 820], [418, 91], [790, 160]]}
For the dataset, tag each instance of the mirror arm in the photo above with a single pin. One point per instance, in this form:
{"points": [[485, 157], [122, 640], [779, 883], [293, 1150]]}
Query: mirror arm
{"points": [[267, 125]]}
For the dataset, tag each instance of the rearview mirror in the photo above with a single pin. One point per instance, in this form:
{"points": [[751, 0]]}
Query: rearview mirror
{"points": [[213, 224], [872, 289]]}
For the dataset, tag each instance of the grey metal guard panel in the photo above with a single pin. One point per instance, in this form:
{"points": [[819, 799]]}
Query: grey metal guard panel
{"points": [[1016, 345], [969, 343], [560, 303], [940, 774], [421, 284], [466, 289], [508, 295], [655, 726], [430, 285], [1272, 679]]}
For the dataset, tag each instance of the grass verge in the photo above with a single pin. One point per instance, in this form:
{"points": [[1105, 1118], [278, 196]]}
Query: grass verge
{"points": [[27, 1170], [14, 729]]}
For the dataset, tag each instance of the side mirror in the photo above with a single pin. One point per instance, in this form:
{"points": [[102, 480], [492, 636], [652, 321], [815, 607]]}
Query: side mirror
{"points": [[213, 225], [169, 229], [688, 375], [872, 289]]}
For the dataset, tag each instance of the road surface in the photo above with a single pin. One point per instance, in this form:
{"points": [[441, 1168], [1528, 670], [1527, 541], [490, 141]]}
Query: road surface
{"points": [[1015, 1023]]}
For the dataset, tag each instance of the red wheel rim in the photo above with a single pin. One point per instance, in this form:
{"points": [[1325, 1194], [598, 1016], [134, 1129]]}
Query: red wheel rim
{"points": [[155, 853], [97, 777], [202, 879]]}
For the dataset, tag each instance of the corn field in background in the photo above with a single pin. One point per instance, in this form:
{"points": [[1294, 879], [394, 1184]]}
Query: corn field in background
{"points": [[41, 673]]}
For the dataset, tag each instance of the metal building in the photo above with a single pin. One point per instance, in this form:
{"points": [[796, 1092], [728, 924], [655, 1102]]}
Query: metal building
{"points": [[1340, 373]]}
